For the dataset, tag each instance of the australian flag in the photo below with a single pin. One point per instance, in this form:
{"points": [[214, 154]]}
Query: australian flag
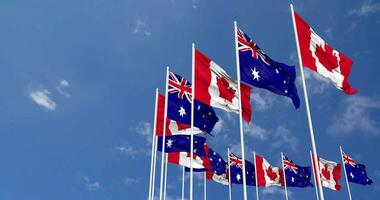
{"points": [[181, 143], [356, 173], [258, 70], [236, 168], [215, 162], [296, 176], [179, 105]]}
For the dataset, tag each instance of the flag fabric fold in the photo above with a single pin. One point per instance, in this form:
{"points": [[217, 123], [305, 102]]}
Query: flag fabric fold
{"points": [[179, 105], [258, 70], [330, 173], [236, 168], [184, 159], [295, 175], [318, 56], [181, 143], [356, 173], [267, 175], [173, 127], [214, 87]]}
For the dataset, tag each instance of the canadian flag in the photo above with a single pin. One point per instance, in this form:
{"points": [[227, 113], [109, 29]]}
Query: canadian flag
{"points": [[184, 159], [267, 175], [173, 127], [320, 57], [330, 174], [214, 87]]}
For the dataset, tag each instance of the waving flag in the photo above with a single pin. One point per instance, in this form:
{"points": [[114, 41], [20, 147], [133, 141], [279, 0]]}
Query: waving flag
{"points": [[179, 105], [356, 173], [330, 174], [320, 57], [214, 87], [181, 143], [295, 175], [236, 168], [258, 70], [267, 175], [184, 159], [173, 127], [218, 166]]}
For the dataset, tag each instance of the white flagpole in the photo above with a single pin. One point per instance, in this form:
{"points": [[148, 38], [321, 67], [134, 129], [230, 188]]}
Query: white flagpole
{"points": [[183, 182], [283, 171], [153, 151], [166, 175], [315, 175], [345, 173], [154, 166], [256, 183], [314, 148], [164, 134], [240, 114], [229, 175], [204, 187], [192, 119]]}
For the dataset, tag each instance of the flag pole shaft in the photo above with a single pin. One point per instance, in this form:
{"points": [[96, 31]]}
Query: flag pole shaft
{"points": [[345, 173], [310, 123], [240, 114], [166, 175], [153, 151], [204, 187], [164, 134], [183, 182], [154, 167], [256, 183], [229, 175], [315, 175], [283, 171], [192, 119]]}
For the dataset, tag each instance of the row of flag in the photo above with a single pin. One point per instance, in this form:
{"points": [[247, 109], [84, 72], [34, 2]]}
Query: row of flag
{"points": [[217, 169], [213, 88]]}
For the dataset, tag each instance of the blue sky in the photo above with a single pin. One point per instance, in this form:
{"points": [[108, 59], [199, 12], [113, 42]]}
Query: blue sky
{"points": [[78, 80]]}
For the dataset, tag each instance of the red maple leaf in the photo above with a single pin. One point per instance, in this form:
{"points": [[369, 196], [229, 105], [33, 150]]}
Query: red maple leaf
{"points": [[325, 172], [225, 90], [272, 175]]}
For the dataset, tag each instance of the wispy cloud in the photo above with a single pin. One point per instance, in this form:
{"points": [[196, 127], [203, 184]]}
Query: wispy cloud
{"points": [[141, 27], [127, 149], [262, 100], [145, 129], [316, 82], [355, 114], [41, 97], [366, 8], [130, 180], [61, 86], [256, 131], [274, 190], [91, 186], [283, 137], [218, 126]]}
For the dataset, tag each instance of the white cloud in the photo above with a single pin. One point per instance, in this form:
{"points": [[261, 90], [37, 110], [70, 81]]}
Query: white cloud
{"points": [[127, 149], [262, 100], [367, 8], [256, 131], [218, 126], [283, 137], [61, 86], [130, 181], [274, 190], [41, 98], [355, 114], [316, 83], [145, 129], [141, 27], [91, 186]]}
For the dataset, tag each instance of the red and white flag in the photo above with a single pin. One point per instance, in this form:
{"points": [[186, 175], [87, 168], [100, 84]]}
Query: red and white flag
{"points": [[267, 175], [183, 158], [330, 173], [173, 127], [214, 87], [320, 57]]}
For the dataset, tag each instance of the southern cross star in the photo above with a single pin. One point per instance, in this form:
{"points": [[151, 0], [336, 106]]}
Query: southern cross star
{"points": [[238, 177], [255, 74], [182, 111], [169, 143]]}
